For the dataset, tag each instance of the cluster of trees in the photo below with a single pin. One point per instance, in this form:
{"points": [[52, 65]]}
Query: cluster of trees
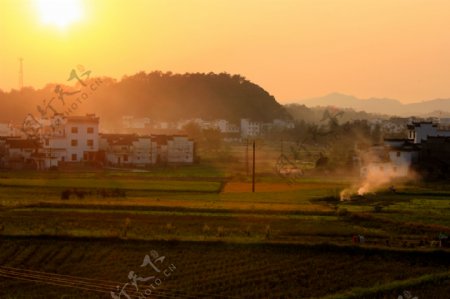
{"points": [[329, 141], [315, 114], [160, 96], [209, 96]]}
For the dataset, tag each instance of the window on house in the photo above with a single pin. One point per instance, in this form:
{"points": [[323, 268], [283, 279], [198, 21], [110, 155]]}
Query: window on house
{"points": [[85, 156], [398, 154], [74, 157], [125, 158], [74, 142], [90, 130], [74, 130], [90, 142]]}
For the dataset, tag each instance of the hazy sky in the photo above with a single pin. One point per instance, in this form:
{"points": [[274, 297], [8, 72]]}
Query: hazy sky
{"points": [[293, 48]]}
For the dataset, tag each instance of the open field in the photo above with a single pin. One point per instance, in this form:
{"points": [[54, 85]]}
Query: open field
{"points": [[243, 271], [287, 240]]}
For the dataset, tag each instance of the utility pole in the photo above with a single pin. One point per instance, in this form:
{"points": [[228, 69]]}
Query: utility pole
{"points": [[253, 174], [281, 141], [20, 73], [246, 159]]}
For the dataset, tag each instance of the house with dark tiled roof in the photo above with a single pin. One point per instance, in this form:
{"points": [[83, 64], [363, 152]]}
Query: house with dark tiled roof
{"points": [[393, 158], [64, 140], [143, 151], [426, 149], [20, 153]]}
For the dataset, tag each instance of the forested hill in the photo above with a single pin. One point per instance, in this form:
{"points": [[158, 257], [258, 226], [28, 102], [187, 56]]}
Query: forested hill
{"points": [[160, 96]]}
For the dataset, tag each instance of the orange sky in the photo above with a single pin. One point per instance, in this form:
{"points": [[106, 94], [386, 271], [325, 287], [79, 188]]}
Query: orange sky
{"points": [[293, 48]]}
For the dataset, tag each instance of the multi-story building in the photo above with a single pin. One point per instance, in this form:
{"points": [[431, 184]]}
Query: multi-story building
{"points": [[69, 139], [250, 128], [64, 140]]}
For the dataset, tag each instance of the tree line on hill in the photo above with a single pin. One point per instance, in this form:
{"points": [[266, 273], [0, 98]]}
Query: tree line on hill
{"points": [[157, 95]]}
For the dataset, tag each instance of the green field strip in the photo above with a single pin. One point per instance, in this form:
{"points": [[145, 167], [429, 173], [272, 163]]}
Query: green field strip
{"points": [[399, 285]]}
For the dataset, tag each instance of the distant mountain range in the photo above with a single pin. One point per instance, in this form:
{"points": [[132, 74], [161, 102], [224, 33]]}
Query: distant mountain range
{"points": [[437, 107]]}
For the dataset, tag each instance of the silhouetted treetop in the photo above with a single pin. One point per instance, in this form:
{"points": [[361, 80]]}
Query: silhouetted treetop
{"points": [[169, 96], [163, 96]]}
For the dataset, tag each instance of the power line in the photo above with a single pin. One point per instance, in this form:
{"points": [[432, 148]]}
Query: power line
{"points": [[92, 285]]}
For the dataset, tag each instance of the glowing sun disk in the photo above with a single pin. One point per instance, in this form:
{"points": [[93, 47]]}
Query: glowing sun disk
{"points": [[60, 13]]}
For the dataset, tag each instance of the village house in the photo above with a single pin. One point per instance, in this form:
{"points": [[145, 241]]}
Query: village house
{"points": [[130, 122], [250, 128], [394, 158], [18, 153], [427, 147], [68, 139], [7, 129], [143, 151], [180, 150], [420, 131], [434, 157], [127, 150], [61, 141]]}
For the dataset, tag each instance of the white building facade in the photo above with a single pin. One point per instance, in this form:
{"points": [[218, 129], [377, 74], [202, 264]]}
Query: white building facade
{"points": [[419, 131], [68, 140]]}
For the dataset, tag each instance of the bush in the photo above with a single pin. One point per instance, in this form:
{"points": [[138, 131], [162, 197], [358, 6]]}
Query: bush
{"points": [[206, 229], [247, 231], [65, 194], [378, 208], [268, 231], [170, 228], [220, 231], [342, 212]]}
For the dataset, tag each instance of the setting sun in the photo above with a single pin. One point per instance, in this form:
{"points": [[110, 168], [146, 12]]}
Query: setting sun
{"points": [[60, 13]]}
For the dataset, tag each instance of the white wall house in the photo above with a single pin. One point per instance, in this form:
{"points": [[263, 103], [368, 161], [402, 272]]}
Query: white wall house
{"points": [[225, 126], [180, 149], [419, 131], [117, 148], [283, 124], [7, 129], [69, 139], [393, 159], [250, 128], [142, 151], [130, 122], [128, 150]]}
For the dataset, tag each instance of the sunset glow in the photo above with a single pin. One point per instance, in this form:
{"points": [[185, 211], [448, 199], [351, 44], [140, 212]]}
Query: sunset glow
{"points": [[295, 49]]}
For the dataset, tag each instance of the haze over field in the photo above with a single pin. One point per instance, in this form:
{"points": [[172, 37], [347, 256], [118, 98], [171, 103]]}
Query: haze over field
{"points": [[293, 48]]}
